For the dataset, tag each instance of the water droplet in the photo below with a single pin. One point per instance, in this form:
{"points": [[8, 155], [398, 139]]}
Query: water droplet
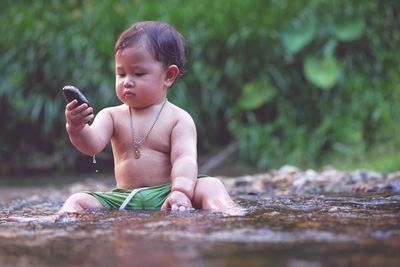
{"points": [[94, 162]]}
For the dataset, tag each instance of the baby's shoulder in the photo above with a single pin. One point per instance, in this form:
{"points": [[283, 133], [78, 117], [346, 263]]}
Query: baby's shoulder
{"points": [[180, 115], [178, 112], [114, 110], [114, 113]]}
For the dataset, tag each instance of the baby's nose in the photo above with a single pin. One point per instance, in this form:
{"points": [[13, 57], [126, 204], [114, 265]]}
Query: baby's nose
{"points": [[129, 82]]}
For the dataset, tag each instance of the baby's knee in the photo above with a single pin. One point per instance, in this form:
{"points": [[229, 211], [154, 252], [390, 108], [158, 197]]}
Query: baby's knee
{"points": [[76, 197], [209, 187], [80, 201], [211, 194], [210, 182]]}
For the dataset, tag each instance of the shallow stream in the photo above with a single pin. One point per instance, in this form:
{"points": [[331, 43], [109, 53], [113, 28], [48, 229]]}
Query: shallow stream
{"points": [[281, 228]]}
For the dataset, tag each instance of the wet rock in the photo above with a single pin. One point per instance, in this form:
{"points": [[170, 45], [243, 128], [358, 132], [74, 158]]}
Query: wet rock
{"points": [[292, 180], [251, 184], [333, 209]]}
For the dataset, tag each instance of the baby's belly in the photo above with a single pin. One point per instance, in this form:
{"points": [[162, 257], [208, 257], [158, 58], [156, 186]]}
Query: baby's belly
{"points": [[148, 170]]}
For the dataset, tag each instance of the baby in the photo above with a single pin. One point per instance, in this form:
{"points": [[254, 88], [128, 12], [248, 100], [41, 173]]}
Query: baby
{"points": [[153, 141]]}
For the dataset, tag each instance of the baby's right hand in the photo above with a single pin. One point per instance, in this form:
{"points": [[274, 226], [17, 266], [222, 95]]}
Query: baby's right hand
{"points": [[77, 116]]}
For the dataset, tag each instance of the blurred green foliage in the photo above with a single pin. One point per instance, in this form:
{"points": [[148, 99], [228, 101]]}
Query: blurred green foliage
{"points": [[306, 83]]}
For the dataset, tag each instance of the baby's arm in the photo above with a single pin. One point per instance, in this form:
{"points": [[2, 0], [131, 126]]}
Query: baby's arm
{"points": [[184, 164], [89, 140]]}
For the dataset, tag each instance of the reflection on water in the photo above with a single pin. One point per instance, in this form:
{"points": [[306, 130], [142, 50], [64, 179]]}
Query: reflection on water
{"points": [[281, 230]]}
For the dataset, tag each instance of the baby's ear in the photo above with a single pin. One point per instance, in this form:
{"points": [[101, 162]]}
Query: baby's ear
{"points": [[171, 75]]}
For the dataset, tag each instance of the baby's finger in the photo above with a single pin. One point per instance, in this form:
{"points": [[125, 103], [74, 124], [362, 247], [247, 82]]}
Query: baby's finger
{"points": [[182, 208], [90, 118], [84, 110], [71, 105], [80, 109], [82, 115], [174, 207], [164, 206]]}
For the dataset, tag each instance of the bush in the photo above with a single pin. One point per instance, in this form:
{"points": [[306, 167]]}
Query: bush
{"points": [[299, 82]]}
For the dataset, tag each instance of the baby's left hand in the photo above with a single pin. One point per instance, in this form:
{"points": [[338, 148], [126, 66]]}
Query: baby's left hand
{"points": [[177, 201]]}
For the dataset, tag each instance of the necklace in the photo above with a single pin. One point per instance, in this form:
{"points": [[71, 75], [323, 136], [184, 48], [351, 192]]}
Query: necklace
{"points": [[137, 143]]}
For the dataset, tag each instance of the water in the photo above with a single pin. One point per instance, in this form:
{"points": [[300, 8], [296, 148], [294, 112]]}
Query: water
{"points": [[94, 162], [338, 229]]}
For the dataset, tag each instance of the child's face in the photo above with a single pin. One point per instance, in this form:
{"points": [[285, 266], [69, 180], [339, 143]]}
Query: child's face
{"points": [[141, 81]]}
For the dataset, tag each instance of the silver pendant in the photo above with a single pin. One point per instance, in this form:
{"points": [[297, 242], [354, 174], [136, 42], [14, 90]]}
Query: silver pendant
{"points": [[137, 153]]}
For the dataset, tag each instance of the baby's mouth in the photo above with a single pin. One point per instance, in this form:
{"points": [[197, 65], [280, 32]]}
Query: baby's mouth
{"points": [[128, 93]]}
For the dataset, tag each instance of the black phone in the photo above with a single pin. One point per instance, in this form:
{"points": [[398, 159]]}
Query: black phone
{"points": [[71, 92]]}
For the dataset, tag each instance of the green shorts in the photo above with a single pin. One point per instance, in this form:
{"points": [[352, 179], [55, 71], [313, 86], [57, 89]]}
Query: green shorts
{"points": [[144, 198]]}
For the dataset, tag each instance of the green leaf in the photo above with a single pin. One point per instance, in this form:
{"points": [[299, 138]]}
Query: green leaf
{"points": [[298, 34], [256, 93], [323, 73], [349, 29]]}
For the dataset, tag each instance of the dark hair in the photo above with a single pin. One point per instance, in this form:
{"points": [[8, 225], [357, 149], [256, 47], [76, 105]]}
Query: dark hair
{"points": [[166, 44]]}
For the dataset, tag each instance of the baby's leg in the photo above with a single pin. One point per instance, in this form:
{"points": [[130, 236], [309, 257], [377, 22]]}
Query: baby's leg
{"points": [[210, 194], [74, 204], [79, 202]]}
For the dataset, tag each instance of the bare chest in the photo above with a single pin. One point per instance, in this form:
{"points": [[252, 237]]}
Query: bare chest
{"points": [[139, 135]]}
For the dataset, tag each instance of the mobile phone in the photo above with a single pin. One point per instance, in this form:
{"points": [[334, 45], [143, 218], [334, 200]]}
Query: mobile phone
{"points": [[71, 92]]}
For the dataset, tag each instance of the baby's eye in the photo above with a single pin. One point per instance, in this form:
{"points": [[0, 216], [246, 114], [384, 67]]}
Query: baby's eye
{"points": [[140, 73], [121, 75]]}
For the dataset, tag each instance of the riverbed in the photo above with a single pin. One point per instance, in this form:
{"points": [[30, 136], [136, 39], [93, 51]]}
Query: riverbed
{"points": [[294, 218]]}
